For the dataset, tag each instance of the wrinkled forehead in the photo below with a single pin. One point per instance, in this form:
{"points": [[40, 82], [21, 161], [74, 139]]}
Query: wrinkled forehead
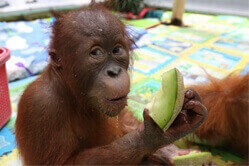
{"points": [[98, 23]]}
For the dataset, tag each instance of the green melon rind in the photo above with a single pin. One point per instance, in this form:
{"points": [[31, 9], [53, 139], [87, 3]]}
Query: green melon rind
{"points": [[179, 99], [167, 102], [193, 158], [163, 103]]}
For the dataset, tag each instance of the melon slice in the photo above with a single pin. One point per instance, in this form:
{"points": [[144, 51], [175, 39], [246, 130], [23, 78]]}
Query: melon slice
{"points": [[167, 102], [194, 158]]}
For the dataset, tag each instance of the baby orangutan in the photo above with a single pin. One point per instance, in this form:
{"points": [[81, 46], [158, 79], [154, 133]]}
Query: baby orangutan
{"points": [[72, 113], [227, 101]]}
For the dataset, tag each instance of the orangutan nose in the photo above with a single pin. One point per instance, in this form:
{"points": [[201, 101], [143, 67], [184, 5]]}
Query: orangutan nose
{"points": [[114, 71]]}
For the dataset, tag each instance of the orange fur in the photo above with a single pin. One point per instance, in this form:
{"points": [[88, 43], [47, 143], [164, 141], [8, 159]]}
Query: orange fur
{"points": [[227, 101]]}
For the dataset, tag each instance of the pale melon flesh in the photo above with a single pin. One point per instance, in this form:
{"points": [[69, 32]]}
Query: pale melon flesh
{"points": [[168, 100]]}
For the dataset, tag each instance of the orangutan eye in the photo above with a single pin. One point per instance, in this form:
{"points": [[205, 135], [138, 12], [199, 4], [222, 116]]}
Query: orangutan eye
{"points": [[118, 49], [96, 52]]}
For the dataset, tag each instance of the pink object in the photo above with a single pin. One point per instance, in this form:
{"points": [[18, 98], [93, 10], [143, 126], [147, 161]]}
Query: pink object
{"points": [[5, 109]]}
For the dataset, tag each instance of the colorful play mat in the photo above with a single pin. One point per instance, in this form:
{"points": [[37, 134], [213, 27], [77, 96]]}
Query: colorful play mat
{"points": [[217, 45]]}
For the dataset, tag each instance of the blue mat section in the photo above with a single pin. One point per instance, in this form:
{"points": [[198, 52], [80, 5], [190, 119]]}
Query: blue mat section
{"points": [[28, 42], [7, 141]]}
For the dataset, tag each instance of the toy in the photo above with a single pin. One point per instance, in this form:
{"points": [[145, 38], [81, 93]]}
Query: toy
{"points": [[5, 110]]}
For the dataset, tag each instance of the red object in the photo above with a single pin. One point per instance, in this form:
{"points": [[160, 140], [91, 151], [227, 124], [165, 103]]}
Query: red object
{"points": [[140, 15], [143, 12], [5, 109]]}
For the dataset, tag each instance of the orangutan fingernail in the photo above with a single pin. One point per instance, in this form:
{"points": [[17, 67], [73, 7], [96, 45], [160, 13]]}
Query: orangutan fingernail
{"points": [[189, 93]]}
